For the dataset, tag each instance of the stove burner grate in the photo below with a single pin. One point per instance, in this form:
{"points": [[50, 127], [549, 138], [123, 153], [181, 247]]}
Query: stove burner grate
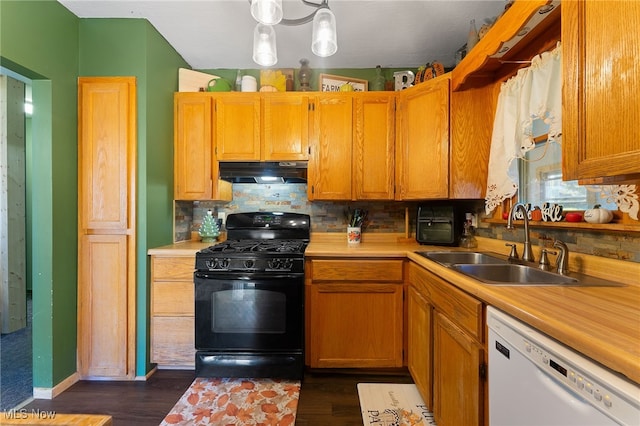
{"points": [[266, 246]]}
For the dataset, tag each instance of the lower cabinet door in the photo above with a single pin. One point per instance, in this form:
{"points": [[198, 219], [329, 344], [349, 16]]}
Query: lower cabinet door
{"points": [[457, 388], [355, 325], [419, 336], [173, 341], [104, 337]]}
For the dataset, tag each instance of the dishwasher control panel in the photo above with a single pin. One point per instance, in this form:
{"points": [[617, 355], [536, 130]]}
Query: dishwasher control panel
{"points": [[612, 394]]}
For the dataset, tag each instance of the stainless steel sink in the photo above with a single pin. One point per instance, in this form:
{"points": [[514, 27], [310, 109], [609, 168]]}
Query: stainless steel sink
{"points": [[526, 275], [497, 269], [513, 274], [449, 258]]}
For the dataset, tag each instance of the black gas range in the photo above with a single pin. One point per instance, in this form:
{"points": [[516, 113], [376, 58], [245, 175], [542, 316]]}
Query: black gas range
{"points": [[249, 298], [253, 256]]}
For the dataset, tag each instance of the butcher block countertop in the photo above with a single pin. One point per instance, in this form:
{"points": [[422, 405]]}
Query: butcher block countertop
{"points": [[602, 323]]}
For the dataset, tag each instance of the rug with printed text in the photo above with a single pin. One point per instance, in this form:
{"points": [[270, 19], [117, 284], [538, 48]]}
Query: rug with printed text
{"points": [[393, 404]]}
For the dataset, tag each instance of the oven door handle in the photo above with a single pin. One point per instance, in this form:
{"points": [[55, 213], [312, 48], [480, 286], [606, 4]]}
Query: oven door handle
{"points": [[251, 276]]}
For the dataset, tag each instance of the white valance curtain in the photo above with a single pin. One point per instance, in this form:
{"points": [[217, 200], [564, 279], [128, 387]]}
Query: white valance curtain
{"points": [[533, 93]]}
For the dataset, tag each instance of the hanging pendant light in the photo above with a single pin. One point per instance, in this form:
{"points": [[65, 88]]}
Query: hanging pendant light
{"points": [[264, 45], [324, 39], [267, 12]]}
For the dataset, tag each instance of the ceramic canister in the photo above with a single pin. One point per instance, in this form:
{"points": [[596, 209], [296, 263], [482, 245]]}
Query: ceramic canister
{"points": [[249, 84]]}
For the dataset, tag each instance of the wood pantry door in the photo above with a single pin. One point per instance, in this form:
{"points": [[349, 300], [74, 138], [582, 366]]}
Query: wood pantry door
{"points": [[106, 226]]}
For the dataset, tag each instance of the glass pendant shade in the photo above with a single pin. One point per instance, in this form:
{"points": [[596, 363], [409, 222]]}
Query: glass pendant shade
{"points": [[264, 45], [267, 12], [324, 39]]}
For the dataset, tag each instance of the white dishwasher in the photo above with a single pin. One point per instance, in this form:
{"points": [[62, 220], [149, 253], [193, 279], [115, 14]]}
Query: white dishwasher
{"points": [[534, 380]]}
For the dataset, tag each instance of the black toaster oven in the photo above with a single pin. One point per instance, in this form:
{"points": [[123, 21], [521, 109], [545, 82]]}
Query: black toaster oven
{"points": [[439, 225]]}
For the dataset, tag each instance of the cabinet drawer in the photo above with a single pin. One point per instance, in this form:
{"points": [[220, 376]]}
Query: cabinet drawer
{"points": [[179, 268], [464, 310], [173, 341], [173, 298], [357, 270]]}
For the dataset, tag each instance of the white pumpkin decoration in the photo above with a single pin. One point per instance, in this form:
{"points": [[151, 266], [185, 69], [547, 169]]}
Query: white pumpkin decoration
{"points": [[598, 215]]}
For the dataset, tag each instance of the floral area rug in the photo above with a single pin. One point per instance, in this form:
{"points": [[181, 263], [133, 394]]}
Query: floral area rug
{"points": [[215, 401], [393, 404]]}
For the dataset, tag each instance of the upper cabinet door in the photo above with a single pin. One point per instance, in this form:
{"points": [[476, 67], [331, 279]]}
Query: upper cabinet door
{"points": [[373, 146], [193, 144], [472, 116], [329, 171], [237, 126], [422, 145], [601, 135], [106, 116], [285, 128]]}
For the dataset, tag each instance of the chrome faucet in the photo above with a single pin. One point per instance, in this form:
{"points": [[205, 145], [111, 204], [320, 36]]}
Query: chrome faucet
{"points": [[562, 262], [528, 253]]}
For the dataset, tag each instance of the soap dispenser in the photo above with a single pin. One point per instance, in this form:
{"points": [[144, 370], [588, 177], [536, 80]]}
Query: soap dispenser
{"points": [[468, 240]]}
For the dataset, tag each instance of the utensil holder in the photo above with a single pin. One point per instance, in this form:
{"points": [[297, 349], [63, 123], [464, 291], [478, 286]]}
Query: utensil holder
{"points": [[354, 235]]}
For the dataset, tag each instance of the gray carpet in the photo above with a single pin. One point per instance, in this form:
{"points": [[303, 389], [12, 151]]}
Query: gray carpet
{"points": [[16, 365]]}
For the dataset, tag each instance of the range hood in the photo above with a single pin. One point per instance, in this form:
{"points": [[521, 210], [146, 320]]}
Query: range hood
{"points": [[264, 172]]}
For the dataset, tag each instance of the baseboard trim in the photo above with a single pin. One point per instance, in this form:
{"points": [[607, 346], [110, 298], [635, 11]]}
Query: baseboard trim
{"points": [[146, 376], [50, 393]]}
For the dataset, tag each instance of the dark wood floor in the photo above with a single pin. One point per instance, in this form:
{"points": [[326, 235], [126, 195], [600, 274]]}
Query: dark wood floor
{"points": [[326, 398]]}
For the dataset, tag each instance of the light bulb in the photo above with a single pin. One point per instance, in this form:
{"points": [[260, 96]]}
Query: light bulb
{"points": [[264, 45], [324, 40], [267, 12]]}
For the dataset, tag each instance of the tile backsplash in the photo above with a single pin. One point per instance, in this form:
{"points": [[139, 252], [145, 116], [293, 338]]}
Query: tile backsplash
{"points": [[387, 216], [612, 245], [383, 216]]}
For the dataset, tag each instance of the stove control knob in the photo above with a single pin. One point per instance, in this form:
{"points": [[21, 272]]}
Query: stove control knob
{"points": [[223, 263], [286, 263], [275, 264], [249, 263]]}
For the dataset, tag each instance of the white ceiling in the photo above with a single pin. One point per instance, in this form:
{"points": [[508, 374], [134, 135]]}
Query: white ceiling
{"points": [[212, 34]]}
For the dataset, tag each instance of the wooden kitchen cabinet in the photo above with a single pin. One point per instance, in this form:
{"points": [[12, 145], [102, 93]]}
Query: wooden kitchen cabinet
{"points": [[422, 142], [106, 227], [457, 386], [420, 343], [195, 164], [373, 146], [285, 127], [172, 311], [354, 312], [601, 75], [329, 170], [352, 147], [472, 116], [454, 341], [237, 126], [261, 126]]}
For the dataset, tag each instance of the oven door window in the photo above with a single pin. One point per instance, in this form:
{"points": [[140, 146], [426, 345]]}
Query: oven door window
{"points": [[246, 309], [254, 314]]}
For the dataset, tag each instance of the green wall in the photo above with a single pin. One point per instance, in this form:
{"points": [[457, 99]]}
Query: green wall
{"points": [[45, 42], [132, 47], [39, 39], [156, 224]]}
